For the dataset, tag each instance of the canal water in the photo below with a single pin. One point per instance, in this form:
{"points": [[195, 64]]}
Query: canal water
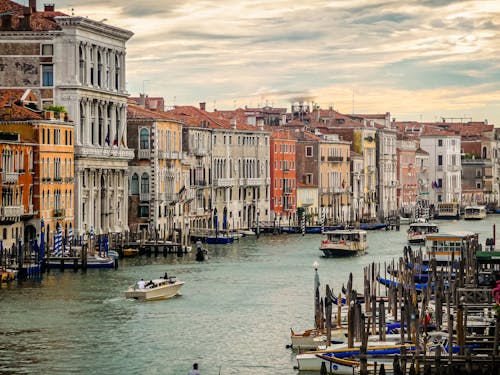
{"points": [[234, 315]]}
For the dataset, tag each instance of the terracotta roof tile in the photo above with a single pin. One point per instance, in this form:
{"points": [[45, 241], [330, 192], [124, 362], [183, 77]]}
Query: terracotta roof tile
{"points": [[39, 21]]}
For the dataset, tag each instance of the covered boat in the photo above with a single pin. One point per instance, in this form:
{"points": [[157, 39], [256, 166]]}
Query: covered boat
{"points": [[156, 289], [344, 243], [475, 212], [417, 231]]}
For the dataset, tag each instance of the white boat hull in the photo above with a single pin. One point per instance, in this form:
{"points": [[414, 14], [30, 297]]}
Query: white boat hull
{"points": [[150, 294]]}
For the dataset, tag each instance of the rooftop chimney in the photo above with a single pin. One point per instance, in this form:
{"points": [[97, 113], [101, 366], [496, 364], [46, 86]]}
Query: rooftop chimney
{"points": [[49, 7], [142, 100], [233, 123], [33, 5], [202, 106], [24, 22]]}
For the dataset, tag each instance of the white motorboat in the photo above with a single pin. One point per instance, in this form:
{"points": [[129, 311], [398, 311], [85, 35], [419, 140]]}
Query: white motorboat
{"points": [[156, 289], [311, 339], [344, 242], [418, 230]]}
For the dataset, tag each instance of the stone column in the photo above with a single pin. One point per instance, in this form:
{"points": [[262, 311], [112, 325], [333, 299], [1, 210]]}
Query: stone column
{"points": [[123, 87]]}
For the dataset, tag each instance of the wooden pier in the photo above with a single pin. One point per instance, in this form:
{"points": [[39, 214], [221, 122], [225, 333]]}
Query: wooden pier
{"points": [[455, 305]]}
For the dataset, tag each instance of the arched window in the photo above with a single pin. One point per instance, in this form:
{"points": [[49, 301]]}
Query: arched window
{"points": [[144, 183], [82, 66], [144, 139], [99, 69], [484, 152], [134, 186]]}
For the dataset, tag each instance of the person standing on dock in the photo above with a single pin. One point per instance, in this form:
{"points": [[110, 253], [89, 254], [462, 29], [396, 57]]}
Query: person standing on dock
{"points": [[194, 370]]}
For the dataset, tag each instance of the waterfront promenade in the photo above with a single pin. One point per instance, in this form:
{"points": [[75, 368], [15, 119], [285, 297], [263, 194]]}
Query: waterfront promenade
{"points": [[234, 316]]}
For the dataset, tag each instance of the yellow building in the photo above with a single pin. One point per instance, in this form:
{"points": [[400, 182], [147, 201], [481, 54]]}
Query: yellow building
{"points": [[156, 174], [52, 163], [335, 180]]}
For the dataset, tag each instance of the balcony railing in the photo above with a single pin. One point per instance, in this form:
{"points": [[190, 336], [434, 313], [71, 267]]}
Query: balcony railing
{"points": [[10, 177], [307, 201], [171, 197], [12, 211], [59, 212], [223, 182], [252, 181], [144, 197], [200, 151], [144, 154]]}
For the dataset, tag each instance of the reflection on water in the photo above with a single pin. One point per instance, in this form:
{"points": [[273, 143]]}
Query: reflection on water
{"points": [[234, 315]]}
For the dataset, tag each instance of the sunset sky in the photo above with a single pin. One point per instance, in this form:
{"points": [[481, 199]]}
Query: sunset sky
{"points": [[418, 60]]}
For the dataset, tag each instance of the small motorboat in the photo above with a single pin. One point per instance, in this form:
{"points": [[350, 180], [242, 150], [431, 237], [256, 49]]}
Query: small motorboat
{"points": [[130, 252], [156, 289]]}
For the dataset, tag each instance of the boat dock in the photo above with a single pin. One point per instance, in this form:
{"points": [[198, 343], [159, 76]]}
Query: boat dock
{"points": [[459, 304]]}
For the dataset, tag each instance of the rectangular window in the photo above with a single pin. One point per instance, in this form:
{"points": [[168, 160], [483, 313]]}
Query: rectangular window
{"points": [[440, 182], [47, 49], [309, 151], [440, 159], [47, 75], [440, 143]]}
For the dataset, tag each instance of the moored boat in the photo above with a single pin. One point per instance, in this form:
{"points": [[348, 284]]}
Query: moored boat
{"points": [[448, 211], [130, 252], [446, 248], [219, 239], [344, 243], [155, 289], [475, 213]]}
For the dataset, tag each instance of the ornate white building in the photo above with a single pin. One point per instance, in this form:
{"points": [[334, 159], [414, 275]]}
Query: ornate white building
{"points": [[79, 64], [89, 80]]}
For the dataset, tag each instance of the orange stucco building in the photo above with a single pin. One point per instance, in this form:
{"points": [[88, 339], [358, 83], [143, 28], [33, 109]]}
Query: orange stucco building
{"points": [[283, 175]]}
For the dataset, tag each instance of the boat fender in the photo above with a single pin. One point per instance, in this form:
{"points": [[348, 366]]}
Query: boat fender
{"points": [[324, 242]]}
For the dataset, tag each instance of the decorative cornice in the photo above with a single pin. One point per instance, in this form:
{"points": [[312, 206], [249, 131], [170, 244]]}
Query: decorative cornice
{"points": [[94, 26]]}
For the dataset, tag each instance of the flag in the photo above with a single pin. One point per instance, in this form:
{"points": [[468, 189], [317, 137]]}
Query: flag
{"points": [[107, 139], [91, 232], [115, 142]]}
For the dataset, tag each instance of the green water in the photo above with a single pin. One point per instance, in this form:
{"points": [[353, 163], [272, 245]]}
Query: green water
{"points": [[234, 315]]}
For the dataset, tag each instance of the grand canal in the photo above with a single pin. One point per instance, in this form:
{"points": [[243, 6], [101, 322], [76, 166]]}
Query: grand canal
{"points": [[234, 316]]}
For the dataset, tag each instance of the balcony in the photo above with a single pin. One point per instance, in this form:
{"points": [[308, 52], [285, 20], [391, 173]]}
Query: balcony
{"points": [[252, 181], [307, 201], [190, 194], [12, 211], [58, 179], [454, 168], [144, 154], [200, 183], [335, 158], [144, 197], [200, 211], [171, 197], [223, 182], [59, 212], [10, 177], [201, 151]]}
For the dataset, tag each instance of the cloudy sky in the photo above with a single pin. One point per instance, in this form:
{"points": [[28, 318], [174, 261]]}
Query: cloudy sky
{"points": [[419, 60]]}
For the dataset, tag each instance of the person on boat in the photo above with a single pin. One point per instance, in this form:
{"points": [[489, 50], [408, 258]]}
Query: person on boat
{"points": [[194, 370], [150, 283], [199, 245], [141, 284], [165, 276]]}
